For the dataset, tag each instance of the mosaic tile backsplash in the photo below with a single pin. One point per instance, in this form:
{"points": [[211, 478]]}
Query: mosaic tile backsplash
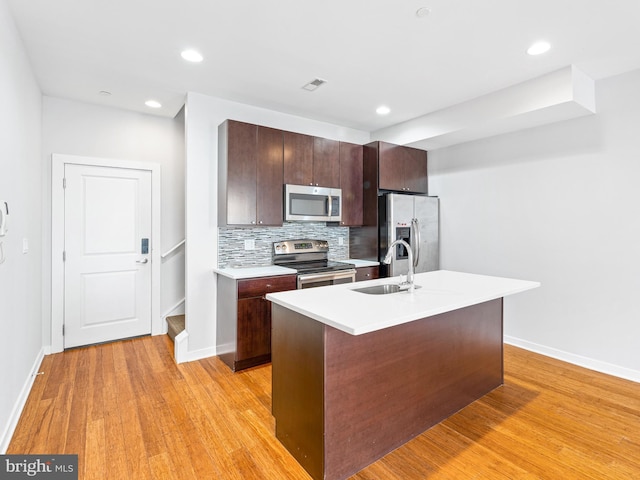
{"points": [[231, 252]]}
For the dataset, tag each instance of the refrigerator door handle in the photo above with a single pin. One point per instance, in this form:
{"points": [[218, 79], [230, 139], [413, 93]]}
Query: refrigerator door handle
{"points": [[415, 235]]}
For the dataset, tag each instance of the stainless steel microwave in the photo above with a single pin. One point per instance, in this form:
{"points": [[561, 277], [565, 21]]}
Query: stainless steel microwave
{"points": [[312, 204]]}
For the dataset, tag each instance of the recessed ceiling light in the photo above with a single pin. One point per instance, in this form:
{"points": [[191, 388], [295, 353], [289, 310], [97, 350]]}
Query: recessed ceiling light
{"points": [[104, 93], [538, 48], [153, 104], [422, 12], [383, 110], [192, 56]]}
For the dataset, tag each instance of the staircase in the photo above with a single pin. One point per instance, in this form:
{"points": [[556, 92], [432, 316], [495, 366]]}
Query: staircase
{"points": [[176, 325]]}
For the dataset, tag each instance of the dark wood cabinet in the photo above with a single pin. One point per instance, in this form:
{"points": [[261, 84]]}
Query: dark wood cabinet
{"points": [[250, 174], [326, 162], [367, 273], [269, 183], [401, 168], [351, 184], [298, 158], [311, 160], [386, 167], [244, 319], [254, 333]]}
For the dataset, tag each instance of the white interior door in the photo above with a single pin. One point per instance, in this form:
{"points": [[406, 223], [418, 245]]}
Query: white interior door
{"points": [[107, 268]]}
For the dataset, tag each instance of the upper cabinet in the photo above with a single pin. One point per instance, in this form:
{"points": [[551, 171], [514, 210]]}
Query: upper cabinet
{"points": [[255, 162], [311, 160], [402, 169], [250, 174], [298, 158], [351, 183], [326, 162]]}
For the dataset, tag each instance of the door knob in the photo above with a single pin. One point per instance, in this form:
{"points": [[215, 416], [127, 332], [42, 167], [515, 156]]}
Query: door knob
{"points": [[144, 260]]}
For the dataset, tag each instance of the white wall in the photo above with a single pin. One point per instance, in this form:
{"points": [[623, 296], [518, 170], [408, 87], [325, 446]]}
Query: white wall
{"points": [[20, 186], [76, 128], [559, 204], [204, 114]]}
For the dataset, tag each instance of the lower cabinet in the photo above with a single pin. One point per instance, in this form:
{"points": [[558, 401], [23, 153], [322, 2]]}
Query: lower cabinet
{"points": [[244, 319], [367, 273]]}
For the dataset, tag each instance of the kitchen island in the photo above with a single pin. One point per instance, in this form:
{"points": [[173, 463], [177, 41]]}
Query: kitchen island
{"points": [[357, 375]]}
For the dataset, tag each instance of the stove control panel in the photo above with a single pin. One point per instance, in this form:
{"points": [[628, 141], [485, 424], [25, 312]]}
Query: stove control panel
{"points": [[300, 246]]}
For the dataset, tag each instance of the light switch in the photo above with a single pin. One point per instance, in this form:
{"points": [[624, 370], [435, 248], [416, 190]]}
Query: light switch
{"points": [[25, 245]]}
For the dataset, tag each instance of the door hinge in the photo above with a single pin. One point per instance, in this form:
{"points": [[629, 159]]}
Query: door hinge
{"points": [[63, 329], [64, 182], [64, 256]]}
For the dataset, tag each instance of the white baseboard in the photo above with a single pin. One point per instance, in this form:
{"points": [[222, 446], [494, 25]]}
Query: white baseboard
{"points": [[586, 362], [5, 439], [181, 350]]}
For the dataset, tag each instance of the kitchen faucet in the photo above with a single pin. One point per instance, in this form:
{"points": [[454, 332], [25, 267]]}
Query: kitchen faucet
{"points": [[408, 285]]}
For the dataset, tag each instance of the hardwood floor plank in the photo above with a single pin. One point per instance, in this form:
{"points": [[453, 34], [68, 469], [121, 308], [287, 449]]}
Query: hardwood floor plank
{"points": [[30, 414], [161, 466], [136, 454], [94, 465], [129, 406]]}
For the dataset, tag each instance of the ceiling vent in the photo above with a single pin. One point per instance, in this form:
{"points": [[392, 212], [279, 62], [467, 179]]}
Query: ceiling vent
{"points": [[311, 86]]}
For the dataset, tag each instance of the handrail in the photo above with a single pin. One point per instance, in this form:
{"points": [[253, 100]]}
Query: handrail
{"points": [[166, 314], [166, 254]]}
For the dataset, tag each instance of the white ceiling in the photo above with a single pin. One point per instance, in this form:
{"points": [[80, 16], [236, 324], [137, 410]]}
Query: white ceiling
{"points": [[371, 52]]}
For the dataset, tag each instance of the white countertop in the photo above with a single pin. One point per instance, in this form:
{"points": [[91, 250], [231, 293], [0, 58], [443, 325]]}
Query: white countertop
{"points": [[238, 273], [360, 263], [357, 313]]}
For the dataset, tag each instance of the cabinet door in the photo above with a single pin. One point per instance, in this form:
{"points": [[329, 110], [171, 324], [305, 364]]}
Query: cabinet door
{"points": [[258, 287], [351, 183], [326, 162], [402, 169], [298, 158], [254, 328], [414, 163], [241, 173], [269, 190], [390, 167], [367, 273]]}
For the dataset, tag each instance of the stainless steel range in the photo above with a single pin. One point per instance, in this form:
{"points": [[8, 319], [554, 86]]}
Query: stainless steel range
{"points": [[310, 258]]}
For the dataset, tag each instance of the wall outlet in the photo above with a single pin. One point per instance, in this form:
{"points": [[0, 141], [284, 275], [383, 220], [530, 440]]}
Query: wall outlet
{"points": [[340, 241], [25, 245], [250, 244]]}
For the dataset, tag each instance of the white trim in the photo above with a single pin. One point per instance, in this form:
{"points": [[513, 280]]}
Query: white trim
{"points": [[178, 245], [58, 162], [590, 363], [5, 439], [166, 314], [181, 351]]}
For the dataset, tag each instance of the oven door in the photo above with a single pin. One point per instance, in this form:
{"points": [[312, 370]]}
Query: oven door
{"points": [[326, 278]]}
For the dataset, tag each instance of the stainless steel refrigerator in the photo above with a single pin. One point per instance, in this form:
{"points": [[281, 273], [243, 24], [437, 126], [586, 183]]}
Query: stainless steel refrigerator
{"points": [[415, 219]]}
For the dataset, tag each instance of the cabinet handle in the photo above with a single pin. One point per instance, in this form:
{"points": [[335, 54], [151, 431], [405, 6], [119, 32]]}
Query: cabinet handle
{"points": [[253, 222], [260, 222]]}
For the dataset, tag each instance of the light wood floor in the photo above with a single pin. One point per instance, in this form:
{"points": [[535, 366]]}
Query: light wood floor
{"points": [[131, 413]]}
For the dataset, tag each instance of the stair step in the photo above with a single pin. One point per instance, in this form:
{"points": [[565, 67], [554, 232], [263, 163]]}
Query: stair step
{"points": [[176, 325]]}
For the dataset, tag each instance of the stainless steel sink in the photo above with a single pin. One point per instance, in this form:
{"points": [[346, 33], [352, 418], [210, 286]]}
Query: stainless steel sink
{"points": [[381, 289]]}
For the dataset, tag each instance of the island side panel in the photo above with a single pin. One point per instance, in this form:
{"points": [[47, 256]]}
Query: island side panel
{"points": [[384, 388], [297, 344]]}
